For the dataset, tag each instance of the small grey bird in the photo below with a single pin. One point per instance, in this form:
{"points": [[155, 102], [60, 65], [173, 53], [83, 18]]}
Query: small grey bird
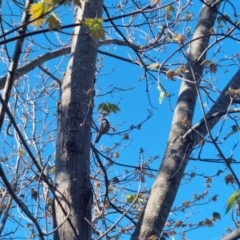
{"points": [[104, 128]]}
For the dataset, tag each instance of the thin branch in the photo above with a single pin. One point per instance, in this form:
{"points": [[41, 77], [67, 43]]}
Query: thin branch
{"points": [[50, 75], [36, 62], [107, 183], [14, 63], [20, 203], [44, 177]]}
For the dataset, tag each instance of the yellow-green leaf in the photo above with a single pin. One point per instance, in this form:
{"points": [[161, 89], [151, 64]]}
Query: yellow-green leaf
{"points": [[36, 10], [53, 22], [108, 108], [130, 198], [169, 8], [53, 169], [163, 93], [95, 28], [179, 38], [154, 2], [188, 16], [161, 96], [235, 197]]}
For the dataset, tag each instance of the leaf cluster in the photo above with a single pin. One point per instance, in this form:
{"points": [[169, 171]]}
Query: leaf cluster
{"points": [[108, 108]]}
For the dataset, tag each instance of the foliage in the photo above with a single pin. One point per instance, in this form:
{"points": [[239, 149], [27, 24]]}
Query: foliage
{"points": [[95, 28], [141, 47], [108, 108], [41, 12], [234, 198]]}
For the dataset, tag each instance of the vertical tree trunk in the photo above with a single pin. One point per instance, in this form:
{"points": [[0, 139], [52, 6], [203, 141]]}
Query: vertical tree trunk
{"points": [[74, 133], [178, 149]]}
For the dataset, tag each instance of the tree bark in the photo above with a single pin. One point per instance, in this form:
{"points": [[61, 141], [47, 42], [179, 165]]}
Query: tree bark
{"points": [[178, 149], [74, 133], [222, 104], [233, 235]]}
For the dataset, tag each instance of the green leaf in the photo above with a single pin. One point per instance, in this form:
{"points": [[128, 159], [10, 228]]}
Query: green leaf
{"points": [[108, 107], [36, 11], [95, 28], [53, 22], [234, 198], [114, 108], [161, 96], [53, 170], [130, 198], [188, 16], [169, 8], [154, 2]]}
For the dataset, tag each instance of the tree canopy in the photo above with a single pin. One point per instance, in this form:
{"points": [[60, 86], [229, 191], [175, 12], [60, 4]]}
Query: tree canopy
{"points": [[164, 74]]}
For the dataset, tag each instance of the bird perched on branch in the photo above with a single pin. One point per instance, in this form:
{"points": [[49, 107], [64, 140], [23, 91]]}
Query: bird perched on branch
{"points": [[104, 128]]}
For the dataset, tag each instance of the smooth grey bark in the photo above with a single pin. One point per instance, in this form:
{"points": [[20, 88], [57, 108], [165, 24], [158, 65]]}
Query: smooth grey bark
{"points": [[221, 105], [178, 149], [74, 133], [233, 235]]}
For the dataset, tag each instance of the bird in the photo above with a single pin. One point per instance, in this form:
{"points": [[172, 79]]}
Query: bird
{"points": [[104, 128]]}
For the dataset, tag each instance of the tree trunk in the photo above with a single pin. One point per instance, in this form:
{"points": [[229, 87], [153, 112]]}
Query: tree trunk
{"points": [[74, 133], [178, 149]]}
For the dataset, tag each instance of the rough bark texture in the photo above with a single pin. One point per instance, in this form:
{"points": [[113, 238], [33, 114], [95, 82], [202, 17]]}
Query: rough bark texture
{"points": [[178, 149], [73, 143]]}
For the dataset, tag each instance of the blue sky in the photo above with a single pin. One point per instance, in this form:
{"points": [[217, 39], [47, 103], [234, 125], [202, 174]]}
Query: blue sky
{"points": [[154, 134], [135, 105]]}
